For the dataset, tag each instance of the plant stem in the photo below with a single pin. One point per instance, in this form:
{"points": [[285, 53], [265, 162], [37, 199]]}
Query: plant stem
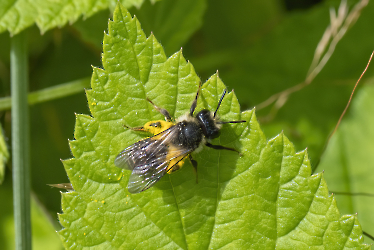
{"points": [[20, 141], [51, 93]]}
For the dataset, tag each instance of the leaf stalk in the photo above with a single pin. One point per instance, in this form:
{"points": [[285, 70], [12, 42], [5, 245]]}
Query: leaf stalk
{"points": [[20, 141]]}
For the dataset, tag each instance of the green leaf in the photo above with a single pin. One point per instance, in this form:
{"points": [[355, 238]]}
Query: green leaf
{"points": [[264, 199], [348, 160], [4, 155], [16, 15]]}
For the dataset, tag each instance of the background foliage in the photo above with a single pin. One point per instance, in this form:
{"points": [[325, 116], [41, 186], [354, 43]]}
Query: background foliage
{"points": [[260, 48]]}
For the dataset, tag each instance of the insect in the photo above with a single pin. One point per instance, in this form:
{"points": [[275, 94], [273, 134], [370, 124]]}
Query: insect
{"points": [[151, 158]]}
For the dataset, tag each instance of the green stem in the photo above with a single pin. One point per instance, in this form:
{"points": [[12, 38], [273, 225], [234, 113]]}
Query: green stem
{"points": [[51, 93], [20, 142]]}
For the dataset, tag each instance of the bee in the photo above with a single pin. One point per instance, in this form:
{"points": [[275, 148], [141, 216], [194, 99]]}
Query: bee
{"points": [[165, 152]]}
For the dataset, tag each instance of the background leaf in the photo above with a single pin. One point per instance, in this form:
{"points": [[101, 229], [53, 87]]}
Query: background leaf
{"points": [[264, 199], [16, 15], [348, 160], [174, 21]]}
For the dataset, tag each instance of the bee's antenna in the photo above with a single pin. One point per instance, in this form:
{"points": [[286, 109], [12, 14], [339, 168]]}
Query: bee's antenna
{"points": [[219, 103], [194, 103], [221, 122]]}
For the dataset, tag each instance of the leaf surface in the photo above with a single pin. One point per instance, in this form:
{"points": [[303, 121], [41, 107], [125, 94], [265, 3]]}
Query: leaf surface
{"points": [[264, 199]]}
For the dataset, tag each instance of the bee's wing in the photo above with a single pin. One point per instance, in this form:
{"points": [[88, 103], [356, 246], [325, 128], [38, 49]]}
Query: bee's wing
{"points": [[133, 155], [149, 159], [145, 176], [140, 152]]}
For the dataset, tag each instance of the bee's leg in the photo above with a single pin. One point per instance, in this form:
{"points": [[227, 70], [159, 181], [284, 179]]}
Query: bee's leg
{"points": [[164, 112], [135, 128], [194, 103], [194, 164], [220, 147]]}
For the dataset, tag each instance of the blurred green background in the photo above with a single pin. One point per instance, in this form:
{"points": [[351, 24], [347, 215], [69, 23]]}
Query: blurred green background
{"points": [[259, 47]]}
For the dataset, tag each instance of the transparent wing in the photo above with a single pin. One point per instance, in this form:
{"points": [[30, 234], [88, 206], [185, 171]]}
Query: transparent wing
{"points": [[149, 159], [145, 176], [142, 151], [136, 154]]}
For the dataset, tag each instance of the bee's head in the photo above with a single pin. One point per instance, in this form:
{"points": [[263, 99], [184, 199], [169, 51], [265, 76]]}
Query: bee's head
{"points": [[207, 120], [208, 124]]}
